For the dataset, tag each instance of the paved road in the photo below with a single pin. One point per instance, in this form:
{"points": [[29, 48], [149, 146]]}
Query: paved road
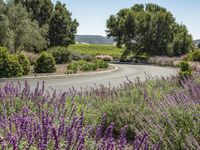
{"points": [[115, 78]]}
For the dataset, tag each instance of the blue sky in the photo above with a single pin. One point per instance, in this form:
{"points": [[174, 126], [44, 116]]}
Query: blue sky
{"points": [[92, 14]]}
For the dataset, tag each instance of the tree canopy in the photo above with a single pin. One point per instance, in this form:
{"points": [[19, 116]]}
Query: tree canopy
{"points": [[149, 28], [39, 10], [33, 25], [62, 28]]}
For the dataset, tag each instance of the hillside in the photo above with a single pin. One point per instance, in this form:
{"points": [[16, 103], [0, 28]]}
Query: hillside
{"points": [[93, 39]]}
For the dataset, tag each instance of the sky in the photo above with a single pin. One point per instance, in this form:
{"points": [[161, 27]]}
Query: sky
{"points": [[92, 14]]}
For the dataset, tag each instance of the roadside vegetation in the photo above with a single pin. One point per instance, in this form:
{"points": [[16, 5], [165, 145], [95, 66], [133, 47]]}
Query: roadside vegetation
{"points": [[83, 65], [158, 114], [155, 114]]}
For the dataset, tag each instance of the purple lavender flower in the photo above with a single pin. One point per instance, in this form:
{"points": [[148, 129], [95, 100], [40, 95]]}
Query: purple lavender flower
{"points": [[55, 135]]}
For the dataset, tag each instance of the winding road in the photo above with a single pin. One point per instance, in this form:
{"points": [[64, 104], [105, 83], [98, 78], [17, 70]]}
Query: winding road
{"points": [[116, 77]]}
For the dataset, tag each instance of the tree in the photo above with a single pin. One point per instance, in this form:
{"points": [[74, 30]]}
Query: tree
{"points": [[26, 35], [62, 28], [149, 29], [6, 35], [40, 10]]}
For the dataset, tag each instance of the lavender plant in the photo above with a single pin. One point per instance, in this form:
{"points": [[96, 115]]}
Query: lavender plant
{"points": [[38, 119]]}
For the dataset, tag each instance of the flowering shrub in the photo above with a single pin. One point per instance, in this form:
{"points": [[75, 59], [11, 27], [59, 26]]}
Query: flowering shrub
{"points": [[41, 120], [164, 61]]}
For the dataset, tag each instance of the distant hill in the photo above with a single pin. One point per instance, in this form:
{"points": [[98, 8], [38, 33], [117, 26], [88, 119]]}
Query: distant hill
{"points": [[196, 42], [93, 39]]}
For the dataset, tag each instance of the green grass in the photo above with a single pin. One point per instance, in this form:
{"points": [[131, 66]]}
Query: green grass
{"points": [[92, 49]]}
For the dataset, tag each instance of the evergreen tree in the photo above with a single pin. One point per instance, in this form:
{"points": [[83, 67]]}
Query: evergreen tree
{"points": [[40, 10], [61, 28]]}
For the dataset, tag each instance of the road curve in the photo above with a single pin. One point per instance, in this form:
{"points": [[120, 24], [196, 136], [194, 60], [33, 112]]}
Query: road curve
{"points": [[114, 78]]}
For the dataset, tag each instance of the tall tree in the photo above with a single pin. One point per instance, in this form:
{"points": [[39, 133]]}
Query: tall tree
{"points": [[26, 35], [62, 28], [40, 10], [151, 29]]}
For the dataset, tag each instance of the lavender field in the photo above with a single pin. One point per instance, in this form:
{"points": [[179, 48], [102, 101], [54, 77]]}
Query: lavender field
{"points": [[159, 114]]}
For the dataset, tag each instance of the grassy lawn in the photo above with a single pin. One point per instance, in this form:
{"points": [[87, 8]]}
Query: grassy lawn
{"points": [[92, 49]]}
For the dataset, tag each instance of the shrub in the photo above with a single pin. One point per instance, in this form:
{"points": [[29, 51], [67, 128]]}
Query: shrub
{"points": [[185, 70], [12, 68], [45, 63], [81, 65], [4, 54], [140, 58], [25, 63], [86, 66], [105, 57], [195, 55], [72, 68], [60, 54], [32, 57], [102, 64], [9, 65], [87, 57], [75, 56]]}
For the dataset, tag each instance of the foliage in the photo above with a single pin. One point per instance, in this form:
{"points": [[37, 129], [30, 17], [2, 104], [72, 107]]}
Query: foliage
{"points": [[185, 70], [32, 57], [72, 68], [25, 63], [31, 25], [60, 54], [62, 28], [20, 32], [83, 65], [102, 116], [75, 56], [5, 33], [195, 56], [87, 57], [9, 65], [45, 63], [102, 64], [165, 61], [94, 50], [40, 10], [35, 120], [151, 29], [86, 66]]}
